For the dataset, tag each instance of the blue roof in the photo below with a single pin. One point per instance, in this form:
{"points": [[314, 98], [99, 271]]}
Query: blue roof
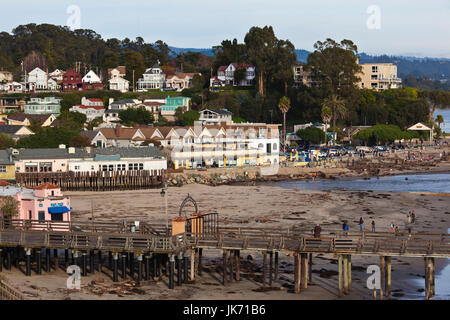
{"points": [[61, 209]]}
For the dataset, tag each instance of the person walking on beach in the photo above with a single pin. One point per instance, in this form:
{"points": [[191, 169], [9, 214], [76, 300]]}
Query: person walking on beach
{"points": [[408, 216], [397, 231], [361, 224], [392, 227], [345, 228], [373, 225], [317, 230], [413, 217]]}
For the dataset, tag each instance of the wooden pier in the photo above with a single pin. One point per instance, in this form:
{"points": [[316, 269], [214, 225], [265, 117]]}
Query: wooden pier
{"points": [[94, 181], [143, 252]]}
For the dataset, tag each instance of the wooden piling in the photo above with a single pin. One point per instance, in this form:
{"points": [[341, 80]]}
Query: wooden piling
{"points": [[100, 261], [200, 254], [310, 269], [171, 272], [115, 267], [297, 273], [264, 275], [1, 259], [147, 267], [230, 262], [139, 265], [38, 261], [270, 268], [345, 260], [427, 279], [192, 271], [432, 277], [28, 262], [275, 276], [91, 261], [238, 265], [185, 268], [124, 266], [224, 267], [47, 260], [179, 270], [382, 272], [388, 275], [340, 294], [304, 270], [349, 268]]}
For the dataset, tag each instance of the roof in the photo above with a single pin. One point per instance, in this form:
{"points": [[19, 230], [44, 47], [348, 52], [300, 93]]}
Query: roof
{"points": [[91, 134], [10, 129], [89, 107], [22, 116], [95, 99], [83, 153], [219, 111], [123, 101], [222, 68], [119, 133], [46, 185], [121, 69]]}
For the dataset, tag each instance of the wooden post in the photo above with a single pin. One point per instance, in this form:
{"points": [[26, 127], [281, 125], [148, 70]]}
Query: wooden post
{"points": [[230, 262], [238, 265], [275, 276], [28, 262], [340, 275], [47, 260], [388, 276], [310, 269], [84, 264], [200, 254], [264, 269], [270, 268], [124, 265], [427, 277], [100, 261], [139, 262], [297, 273], [345, 257], [224, 266], [432, 276], [192, 273], [55, 259], [172, 272], [91, 261], [304, 270], [147, 266], [115, 271], [185, 268], [179, 267], [38, 261], [382, 272], [197, 259], [349, 269]]}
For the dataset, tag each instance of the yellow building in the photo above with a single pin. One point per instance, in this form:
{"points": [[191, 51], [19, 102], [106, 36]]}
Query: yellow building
{"points": [[379, 76], [7, 167]]}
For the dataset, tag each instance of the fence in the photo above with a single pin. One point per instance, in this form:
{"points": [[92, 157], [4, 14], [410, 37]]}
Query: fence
{"points": [[9, 293], [94, 181]]}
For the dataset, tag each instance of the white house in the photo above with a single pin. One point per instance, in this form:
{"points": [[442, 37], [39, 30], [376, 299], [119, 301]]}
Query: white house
{"points": [[225, 75], [37, 79], [6, 76], [52, 84], [91, 107], [91, 77], [118, 83], [14, 87], [214, 116], [57, 75], [153, 78], [180, 81]]}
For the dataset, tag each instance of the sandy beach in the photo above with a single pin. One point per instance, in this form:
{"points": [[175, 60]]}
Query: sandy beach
{"points": [[261, 205]]}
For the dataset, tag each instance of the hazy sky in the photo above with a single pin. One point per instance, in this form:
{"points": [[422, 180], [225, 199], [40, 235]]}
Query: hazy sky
{"points": [[407, 27]]}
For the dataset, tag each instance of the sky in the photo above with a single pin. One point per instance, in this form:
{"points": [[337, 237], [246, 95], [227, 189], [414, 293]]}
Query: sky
{"points": [[395, 27]]}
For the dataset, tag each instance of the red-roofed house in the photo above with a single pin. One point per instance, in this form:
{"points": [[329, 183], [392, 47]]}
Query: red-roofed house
{"points": [[91, 107], [225, 75]]}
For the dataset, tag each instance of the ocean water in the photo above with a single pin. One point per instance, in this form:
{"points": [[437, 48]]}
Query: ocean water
{"points": [[436, 183], [446, 114]]}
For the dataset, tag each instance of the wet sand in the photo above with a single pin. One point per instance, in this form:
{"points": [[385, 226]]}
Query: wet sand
{"points": [[255, 206]]}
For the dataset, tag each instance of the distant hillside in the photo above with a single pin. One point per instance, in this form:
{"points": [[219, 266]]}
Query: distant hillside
{"points": [[434, 68]]}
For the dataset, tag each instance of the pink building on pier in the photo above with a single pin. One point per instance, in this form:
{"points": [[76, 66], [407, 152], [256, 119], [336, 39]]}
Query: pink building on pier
{"points": [[44, 202]]}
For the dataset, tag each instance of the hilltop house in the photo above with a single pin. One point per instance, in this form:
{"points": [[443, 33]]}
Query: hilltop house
{"points": [[116, 80], [214, 116], [152, 78], [379, 76], [180, 81], [37, 79], [15, 131], [47, 105], [6, 76], [9, 104], [57, 75], [168, 110], [91, 81], [91, 107], [72, 81], [225, 75]]}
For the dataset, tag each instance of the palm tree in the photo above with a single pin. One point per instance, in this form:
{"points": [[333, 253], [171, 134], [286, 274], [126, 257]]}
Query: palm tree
{"points": [[439, 119], [337, 106], [284, 105], [326, 117]]}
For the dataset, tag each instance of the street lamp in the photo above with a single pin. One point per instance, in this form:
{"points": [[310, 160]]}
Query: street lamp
{"points": [[163, 194]]}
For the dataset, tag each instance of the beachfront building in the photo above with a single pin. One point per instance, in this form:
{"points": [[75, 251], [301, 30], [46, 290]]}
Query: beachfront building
{"points": [[152, 78], [214, 116], [225, 75], [44, 202], [11, 104], [379, 76], [47, 105], [87, 159]]}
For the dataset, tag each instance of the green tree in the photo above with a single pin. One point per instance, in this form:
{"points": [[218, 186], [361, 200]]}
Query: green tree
{"points": [[73, 120], [187, 118], [9, 207], [79, 142], [312, 134], [240, 74], [139, 115], [337, 107], [48, 137], [439, 119], [134, 61], [6, 141], [284, 105]]}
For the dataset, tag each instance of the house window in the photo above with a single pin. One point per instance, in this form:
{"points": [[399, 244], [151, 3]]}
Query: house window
{"points": [[41, 215], [104, 168], [92, 167], [45, 167], [30, 214], [141, 166], [2, 168], [111, 167], [130, 166]]}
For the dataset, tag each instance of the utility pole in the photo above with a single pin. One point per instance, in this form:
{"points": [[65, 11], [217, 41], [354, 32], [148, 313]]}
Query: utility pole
{"points": [[133, 80]]}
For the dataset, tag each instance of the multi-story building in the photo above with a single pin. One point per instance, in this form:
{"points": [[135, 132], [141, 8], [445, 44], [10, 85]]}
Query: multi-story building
{"points": [[72, 81], [37, 79], [379, 76], [91, 81], [23, 119], [47, 105], [225, 75], [87, 159], [116, 80], [152, 78], [180, 81], [214, 116], [302, 77], [171, 105], [6, 76], [9, 104]]}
